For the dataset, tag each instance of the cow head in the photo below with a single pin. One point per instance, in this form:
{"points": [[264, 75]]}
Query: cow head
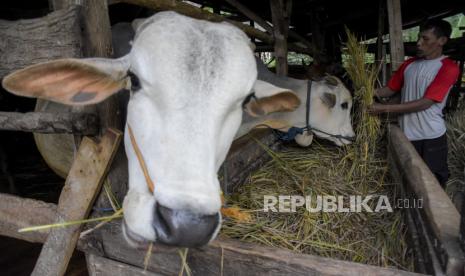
{"points": [[188, 80], [330, 107]]}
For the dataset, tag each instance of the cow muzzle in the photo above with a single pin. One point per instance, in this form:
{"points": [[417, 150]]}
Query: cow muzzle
{"points": [[184, 228]]}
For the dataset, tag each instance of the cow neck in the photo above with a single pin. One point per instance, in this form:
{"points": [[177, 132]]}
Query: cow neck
{"points": [[140, 157]]}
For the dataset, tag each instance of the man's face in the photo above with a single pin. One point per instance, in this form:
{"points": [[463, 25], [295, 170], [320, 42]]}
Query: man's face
{"points": [[429, 45]]}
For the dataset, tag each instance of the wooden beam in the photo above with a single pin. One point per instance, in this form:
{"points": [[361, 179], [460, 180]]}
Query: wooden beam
{"points": [[251, 15], [232, 257], [269, 29], [76, 200], [189, 10], [100, 266], [440, 212], [17, 213], [395, 33], [27, 42], [291, 47], [281, 14], [45, 122]]}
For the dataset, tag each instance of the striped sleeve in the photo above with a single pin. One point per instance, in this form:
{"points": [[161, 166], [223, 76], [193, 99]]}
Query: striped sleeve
{"points": [[397, 80], [444, 80]]}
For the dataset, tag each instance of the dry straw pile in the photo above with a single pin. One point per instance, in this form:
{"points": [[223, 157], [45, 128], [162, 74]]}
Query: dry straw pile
{"points": [[456, 157], [322, 169]]}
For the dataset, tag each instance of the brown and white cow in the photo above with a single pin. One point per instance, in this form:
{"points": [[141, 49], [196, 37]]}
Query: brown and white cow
{"points": [[192, 78], [328, 109]]}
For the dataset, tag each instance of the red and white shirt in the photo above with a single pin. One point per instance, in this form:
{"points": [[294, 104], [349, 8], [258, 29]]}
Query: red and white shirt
{"points": [[420, 78]]}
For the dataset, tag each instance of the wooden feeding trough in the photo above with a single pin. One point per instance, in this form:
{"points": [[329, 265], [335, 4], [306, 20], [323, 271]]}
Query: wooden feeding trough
{"points": [[434, 229]]}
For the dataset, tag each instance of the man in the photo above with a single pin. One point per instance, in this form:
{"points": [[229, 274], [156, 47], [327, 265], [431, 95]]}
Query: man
{"points": [[424, 82]]}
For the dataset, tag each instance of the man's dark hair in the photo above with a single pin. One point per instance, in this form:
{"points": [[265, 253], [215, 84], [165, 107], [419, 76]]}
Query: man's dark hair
{"points": [[440, 27]]}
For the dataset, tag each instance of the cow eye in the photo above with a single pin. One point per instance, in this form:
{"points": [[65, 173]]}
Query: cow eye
{"points": [[344, 105], [135, 83]]}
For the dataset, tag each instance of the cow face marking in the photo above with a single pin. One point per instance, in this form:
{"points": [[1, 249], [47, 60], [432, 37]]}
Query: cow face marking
{"points": [[328, 99], [345, 105], [81, 97]]}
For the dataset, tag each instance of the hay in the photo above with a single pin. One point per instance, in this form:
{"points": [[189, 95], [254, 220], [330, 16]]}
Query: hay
{"points": [[371, 238], [456, 158], [377, 238]]}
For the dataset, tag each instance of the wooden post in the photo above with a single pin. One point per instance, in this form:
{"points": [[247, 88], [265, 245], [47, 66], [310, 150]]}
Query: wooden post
{"points": [[318, 40], [395, 34], [281, 14], [76, 200], [379, 42]]}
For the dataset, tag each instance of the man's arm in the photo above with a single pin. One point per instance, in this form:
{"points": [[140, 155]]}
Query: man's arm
{"points": [[408, 107], [384, 92]]}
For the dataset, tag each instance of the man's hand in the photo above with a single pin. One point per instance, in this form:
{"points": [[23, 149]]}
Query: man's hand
{"points": [[376, 109]]}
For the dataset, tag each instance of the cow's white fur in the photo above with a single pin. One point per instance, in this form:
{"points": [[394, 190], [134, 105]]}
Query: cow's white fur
{"points": [[194, 76]]}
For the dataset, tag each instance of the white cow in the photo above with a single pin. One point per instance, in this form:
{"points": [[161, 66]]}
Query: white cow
{"points": [[192, 77], [328, 109]]}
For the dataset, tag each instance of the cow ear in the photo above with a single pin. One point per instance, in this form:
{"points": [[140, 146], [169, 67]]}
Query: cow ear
{"points": [[331, 80], [69, 81], [269, 98], [328, 99]]}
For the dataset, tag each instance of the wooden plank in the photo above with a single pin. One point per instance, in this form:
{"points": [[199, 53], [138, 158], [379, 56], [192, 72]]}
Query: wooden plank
{"points": [[245, 156], [45, 122], [232, 257], [281, 16], [81, 187], [26, 42], [17, 212], [441, 214], [395, 33], [99, 266]]}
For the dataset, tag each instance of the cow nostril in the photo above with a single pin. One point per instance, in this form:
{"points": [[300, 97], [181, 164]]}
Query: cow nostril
{"points": [[184, 228]]}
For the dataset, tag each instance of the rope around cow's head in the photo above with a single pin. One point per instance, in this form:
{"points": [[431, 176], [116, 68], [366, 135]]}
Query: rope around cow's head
{"points": [[232, 212]]}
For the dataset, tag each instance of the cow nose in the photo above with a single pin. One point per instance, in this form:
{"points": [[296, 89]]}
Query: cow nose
{"points": [[183, 228]]}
